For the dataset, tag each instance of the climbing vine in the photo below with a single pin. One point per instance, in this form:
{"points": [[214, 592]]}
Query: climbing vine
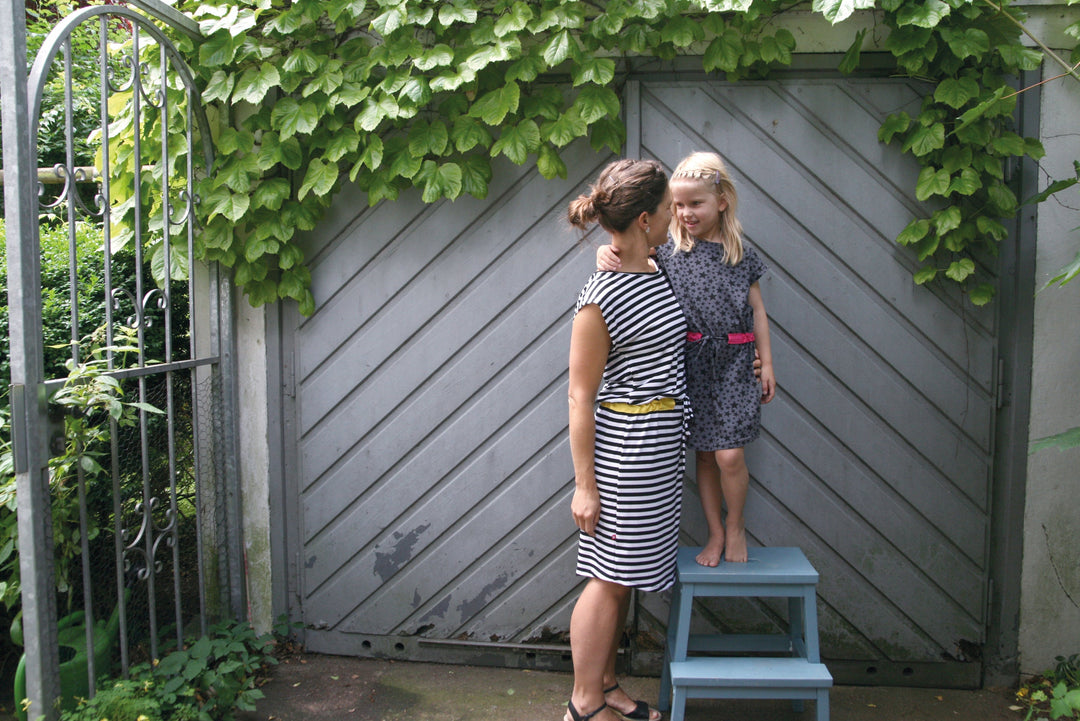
{"points": [[397, 94]]}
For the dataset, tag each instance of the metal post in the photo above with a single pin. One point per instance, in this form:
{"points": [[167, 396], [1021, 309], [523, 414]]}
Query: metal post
{"points": [[28, 420]]}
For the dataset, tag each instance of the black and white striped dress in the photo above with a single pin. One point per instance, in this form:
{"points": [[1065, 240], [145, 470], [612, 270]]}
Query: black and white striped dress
{"points": [[639, 457]]}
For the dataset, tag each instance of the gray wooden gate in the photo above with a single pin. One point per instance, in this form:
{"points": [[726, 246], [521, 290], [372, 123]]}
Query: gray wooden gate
{"points": [[432, 473]]}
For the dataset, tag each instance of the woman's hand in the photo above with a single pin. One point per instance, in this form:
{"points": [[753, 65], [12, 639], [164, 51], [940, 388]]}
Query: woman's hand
{"points": [[586, 509]]}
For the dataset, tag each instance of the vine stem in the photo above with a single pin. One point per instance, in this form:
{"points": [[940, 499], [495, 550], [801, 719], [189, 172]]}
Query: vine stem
{"points": [[1069, 69]]}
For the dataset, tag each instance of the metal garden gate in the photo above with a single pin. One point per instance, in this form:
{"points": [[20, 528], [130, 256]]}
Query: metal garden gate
{"points": [[153, 490], [424, 403]]}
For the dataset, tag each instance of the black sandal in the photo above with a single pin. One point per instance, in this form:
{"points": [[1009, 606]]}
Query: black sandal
{"points": [[641, 710], [578, 717]]}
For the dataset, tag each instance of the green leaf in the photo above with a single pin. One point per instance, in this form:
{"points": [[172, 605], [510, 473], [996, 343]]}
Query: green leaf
{"points": [[966, 183], [895, 123], [1008, 144], [440, 181], [947, 219], [435, 57], [1018, 56], [219, 87], [915, 231], [456, 12], [599, 71], [518, 141], [567, 128], [594, 102], [549, 163], [343, 142], [981, 294], [1066, 273], [526, 69], [990, 227], [960, 270], [494, 106], [301, 60], [320, 178], [476, 174], [850, 61], [904, 40], [290, 117], [1064, 440], [681, 31], [238, 172], [986, 107], [956, 92], [925, 140], [1055, 187], [724, 52], [390, 20], [924, 15], [607, 133], [1002, 200], [403, 164], [925, 274], [956, 157], [837, 10], [971, 42], [254, 84], [223, 202], [425, 138], [514, 20], [559, 48], [932, 181], [468, 133], [218, 49], [373, 153]]}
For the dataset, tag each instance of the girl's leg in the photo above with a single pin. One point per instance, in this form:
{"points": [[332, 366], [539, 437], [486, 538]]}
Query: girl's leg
{"points": [[593, 627], [712, 503], [734, 481], [618, 699]]}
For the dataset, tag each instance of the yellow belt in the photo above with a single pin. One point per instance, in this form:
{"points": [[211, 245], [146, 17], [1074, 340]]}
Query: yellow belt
{"points": [[659, 404]]}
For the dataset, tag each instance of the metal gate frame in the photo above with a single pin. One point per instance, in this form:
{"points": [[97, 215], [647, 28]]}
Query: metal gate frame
{"points": [[211, 359]]}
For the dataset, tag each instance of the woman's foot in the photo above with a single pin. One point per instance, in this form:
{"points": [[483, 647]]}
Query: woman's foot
{"points": [[713, 551], [620, 701], [572, 714], [735, 543]]}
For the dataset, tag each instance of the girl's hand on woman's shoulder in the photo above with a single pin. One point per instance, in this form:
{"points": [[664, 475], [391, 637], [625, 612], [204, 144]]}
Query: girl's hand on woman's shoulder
{"points": [[607, 258]]}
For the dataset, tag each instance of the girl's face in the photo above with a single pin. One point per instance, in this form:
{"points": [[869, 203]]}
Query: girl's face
{"points": [[659, 221], [698, 206]]}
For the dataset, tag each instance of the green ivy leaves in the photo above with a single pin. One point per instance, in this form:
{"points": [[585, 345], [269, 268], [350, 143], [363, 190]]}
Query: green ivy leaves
{"points": [[399, 94]]}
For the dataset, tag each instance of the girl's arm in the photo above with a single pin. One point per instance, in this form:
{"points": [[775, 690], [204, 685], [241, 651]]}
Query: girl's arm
{"points": [[607, 258], [589, 346], [762, 344]]}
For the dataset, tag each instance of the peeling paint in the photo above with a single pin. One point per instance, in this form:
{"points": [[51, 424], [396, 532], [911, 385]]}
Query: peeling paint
{"points": [[472, 607], [311, 562], [439, 611], [389, 563]]}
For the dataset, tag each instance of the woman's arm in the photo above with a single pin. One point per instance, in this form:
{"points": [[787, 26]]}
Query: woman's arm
{"points": [[589, 346], [762, 344]]}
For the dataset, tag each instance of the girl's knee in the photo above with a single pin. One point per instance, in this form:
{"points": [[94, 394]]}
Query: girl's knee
{"points": [[731, 460]]}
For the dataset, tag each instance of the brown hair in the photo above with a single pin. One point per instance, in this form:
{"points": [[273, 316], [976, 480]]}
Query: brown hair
{"points": [[710, 171], [624, 190]]}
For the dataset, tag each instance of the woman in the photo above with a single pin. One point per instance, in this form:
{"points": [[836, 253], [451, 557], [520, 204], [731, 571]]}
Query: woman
{"points": [[627, 387]]}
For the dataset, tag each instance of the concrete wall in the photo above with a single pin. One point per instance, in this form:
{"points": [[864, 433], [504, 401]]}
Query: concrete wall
{"points": [[1050, 583]]}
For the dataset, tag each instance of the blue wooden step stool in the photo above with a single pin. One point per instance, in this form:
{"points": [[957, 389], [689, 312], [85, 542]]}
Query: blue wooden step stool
{"points": [[798, 674]]}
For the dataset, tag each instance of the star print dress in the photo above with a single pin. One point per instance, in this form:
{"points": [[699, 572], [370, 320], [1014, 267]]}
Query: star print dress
{"points": [[639, 456], [725, 396]]}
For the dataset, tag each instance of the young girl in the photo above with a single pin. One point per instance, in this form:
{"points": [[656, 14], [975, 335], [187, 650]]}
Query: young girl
{"points": [[715, 277]]}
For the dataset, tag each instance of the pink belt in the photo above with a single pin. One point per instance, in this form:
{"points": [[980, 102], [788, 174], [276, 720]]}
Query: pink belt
{"points": [[732, 338]]}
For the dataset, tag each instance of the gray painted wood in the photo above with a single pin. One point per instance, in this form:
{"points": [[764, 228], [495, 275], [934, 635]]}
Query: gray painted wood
{"points": [[431, 451]]}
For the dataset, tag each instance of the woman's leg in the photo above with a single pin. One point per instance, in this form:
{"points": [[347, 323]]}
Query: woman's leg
{"points": [[734, 481], [594, 628], [710, 492], [619, 699]]}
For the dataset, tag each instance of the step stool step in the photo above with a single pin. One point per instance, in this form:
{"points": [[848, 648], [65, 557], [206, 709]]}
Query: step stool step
{"points": [[768, 565], [729, 672]]}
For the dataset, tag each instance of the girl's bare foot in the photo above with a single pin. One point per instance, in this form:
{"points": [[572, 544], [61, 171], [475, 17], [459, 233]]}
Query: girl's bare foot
{"points": [[735, 543], [712, 552]]}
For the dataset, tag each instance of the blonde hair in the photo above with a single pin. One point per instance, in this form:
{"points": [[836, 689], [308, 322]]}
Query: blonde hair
{"points": [[710, 171]]}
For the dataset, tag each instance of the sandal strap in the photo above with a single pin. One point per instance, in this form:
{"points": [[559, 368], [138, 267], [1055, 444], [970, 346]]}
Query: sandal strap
{"points": [[578, 717]]}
